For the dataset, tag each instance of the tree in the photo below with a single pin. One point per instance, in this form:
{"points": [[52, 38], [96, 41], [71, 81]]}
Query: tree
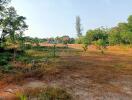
{"points": [[86, 43], [101, 45], [36, 41], [126, 37], [123, 27], [78, 26], [21, 40], [114, 36], [58, 39], [3, 10], [122, 33], [72, 41], [51, 40], [65, 39], [79, 40], [96, 34], [2, 2], [129, 19], [11, 24], [99, 36]]}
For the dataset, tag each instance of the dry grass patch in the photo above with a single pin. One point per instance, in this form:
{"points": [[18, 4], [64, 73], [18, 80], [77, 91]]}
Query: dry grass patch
{"points": [[48, 93]]}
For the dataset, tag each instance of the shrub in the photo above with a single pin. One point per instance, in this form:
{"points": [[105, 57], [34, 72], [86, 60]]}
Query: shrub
{"points": [[101, 45], [7, 68], [79, 40], [21, 96], [4, 58], [28, 46], [86, 43], [3, 61]]}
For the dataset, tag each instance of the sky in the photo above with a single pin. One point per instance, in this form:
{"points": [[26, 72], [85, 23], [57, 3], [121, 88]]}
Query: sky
{"points": [[51, 18]]}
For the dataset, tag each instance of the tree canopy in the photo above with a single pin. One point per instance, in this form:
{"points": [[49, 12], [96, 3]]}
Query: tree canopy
{"points": [[10, 22], [120, 34]]}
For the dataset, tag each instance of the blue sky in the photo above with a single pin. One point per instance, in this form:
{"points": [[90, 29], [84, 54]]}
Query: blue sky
{"points": [[51, 18]]}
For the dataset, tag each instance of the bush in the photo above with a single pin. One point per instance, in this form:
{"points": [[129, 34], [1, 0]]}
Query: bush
{"points": [[101, 45], [4, 58], [21, 96], [86, 42], [79, 40], [7, 68], [28, 46], [3, 61], [114, 37]]}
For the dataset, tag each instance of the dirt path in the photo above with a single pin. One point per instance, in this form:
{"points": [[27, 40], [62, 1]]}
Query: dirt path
{"points": [[91, 78]]}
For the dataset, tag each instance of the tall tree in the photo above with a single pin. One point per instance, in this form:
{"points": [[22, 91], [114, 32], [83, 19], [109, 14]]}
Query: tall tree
{"points": [[78, 26], [12, 24], [4, 2], [3, 10], [96, 34], [114, 36]]}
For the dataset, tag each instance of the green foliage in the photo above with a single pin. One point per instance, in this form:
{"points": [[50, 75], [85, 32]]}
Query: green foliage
{"points": [[85, 47], [3, 2], [23, 58], [3, 61], [86, 42], [7, 68], [11, 23], [36, 41], [98, 36], [101, 45], [114, 36], [64, 40], [21, 96], [99, 33], [4, 58], [28, 46], [54, 51], [79, 40], [126, 37], [129, 20], [121, 34]]}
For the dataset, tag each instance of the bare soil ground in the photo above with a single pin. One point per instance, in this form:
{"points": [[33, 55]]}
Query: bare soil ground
{"points": [[89, 76]]}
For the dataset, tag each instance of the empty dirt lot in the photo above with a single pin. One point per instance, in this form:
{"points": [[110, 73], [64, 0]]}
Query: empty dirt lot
{"points": [[90, 76]]}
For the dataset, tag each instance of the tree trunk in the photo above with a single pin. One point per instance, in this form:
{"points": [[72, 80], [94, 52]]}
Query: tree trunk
{"points": [[54, 52], [102, 51], [14, 54]]}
